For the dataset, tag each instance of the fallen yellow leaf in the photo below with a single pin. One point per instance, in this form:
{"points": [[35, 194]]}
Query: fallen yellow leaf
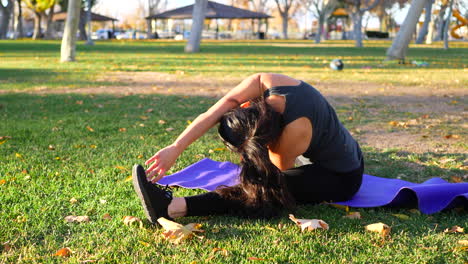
{"points": [[2, 181], [381, 228], [51, 147], [73, 200], [463, 242], [131, 220], [176, 233], [144, 243], [401, 216], [63, 252], [129, 178], [161, 122], [309, 224], [454, 229], [122, 129], [19, 156], [339, 206], [122, 168], [78, 219], [106, 216], [90, 129], [450, 136], [222, 251]]}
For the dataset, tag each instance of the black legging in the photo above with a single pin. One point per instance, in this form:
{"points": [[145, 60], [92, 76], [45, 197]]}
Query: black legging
{"points": [[307, 184]]}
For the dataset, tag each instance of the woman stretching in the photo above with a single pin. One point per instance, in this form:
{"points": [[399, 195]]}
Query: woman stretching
{"points": [[269, 120]]}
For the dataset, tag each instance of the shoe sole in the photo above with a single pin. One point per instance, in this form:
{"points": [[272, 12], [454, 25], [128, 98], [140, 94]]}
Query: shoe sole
{"points": [[138, 185]]}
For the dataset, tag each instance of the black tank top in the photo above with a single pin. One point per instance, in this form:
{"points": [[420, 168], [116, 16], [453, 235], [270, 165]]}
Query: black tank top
{"points": [[331, 146]]}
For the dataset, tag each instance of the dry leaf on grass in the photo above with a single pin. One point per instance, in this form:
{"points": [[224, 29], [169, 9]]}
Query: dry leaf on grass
{"points": [[73, 200], [353, 215], [106, 216], [169, 129], [63, 252], [176, 233], [309, 224], [450, 136], [78, 219], [6, 247], [90, 129], [463, 242], [222, 251], [381, 228], [149, 110], [161, 122], [401, 216], [255, 258], [132, 220], [454, 229]]}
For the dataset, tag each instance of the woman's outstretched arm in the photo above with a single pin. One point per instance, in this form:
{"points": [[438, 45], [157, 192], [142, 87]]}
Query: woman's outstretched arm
{"points": [[250, 88]]}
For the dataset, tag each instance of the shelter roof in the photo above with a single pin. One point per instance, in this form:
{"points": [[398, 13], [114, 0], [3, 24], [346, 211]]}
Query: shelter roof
{"points": [[213, 10], [61, 16]]}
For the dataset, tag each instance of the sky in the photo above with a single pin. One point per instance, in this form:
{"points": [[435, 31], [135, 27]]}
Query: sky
{"points": [[121, 8]]}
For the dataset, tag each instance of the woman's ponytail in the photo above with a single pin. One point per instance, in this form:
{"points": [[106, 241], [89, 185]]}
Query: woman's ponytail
{"points": [[249, 131]]}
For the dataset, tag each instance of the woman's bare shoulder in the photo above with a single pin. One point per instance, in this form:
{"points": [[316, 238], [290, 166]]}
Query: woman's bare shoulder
{"points": [[269, 80]]}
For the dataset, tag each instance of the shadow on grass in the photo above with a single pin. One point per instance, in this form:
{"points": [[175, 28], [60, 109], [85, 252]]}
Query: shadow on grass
{"points": [[432, 55]]}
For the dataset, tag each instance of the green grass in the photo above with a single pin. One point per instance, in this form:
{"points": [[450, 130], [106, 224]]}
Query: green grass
{"points": [[27, 65], [37, 183]]}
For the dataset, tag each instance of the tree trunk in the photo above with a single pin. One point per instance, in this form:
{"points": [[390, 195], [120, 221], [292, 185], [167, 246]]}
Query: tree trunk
{"points": [[447, 24], [49, 29], [403, 38], [284, 18], [19, 32], [6, 16], [430, 33], [441, 21], [357, 27], [69, 35], [318, 35], [427, 19], [149, 29], [198, 17], [82, 25], [37, 25]]}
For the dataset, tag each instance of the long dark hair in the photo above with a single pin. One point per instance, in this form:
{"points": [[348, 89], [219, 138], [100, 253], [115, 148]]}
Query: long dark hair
{"points": [[249, 131]]}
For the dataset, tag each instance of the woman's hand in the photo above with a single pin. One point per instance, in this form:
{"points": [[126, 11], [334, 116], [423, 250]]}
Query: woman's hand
{"points": [[161, 162]]}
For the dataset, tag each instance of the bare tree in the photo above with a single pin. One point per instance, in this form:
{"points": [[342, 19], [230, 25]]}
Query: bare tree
{"points": [[403, 38], [154, 7], [261, 7], [19, 32], [6, 11], [321, 9], [49, 16], [447, 23], [198, 17], [356, 9], [427, 20], [284, 6], [68, 48]]}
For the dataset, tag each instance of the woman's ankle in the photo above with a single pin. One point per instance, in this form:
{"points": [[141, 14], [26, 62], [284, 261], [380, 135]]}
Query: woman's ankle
{"points": [[177, 207]]}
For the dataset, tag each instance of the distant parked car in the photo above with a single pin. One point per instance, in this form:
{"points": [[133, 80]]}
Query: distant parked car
{"points": [[132, 34], [102, 34]]}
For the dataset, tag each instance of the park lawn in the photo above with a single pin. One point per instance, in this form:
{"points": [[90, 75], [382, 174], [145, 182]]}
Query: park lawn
{"points": [[83, 146], [32, 65]]}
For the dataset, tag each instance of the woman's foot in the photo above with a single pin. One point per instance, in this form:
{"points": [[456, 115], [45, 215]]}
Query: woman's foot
{"points": [[155, 201]]}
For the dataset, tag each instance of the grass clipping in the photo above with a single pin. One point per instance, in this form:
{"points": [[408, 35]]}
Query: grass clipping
{"points": [[176, 233]]}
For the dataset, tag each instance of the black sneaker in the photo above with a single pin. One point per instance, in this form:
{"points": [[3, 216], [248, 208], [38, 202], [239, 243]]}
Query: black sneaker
{"points": [[155, 200]]}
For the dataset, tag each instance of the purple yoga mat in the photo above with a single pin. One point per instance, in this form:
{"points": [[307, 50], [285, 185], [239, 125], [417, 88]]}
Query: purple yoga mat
{"points": [[430, 196]]}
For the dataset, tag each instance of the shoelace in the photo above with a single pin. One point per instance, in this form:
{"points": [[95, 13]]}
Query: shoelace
{"points": [[167, 191]]}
